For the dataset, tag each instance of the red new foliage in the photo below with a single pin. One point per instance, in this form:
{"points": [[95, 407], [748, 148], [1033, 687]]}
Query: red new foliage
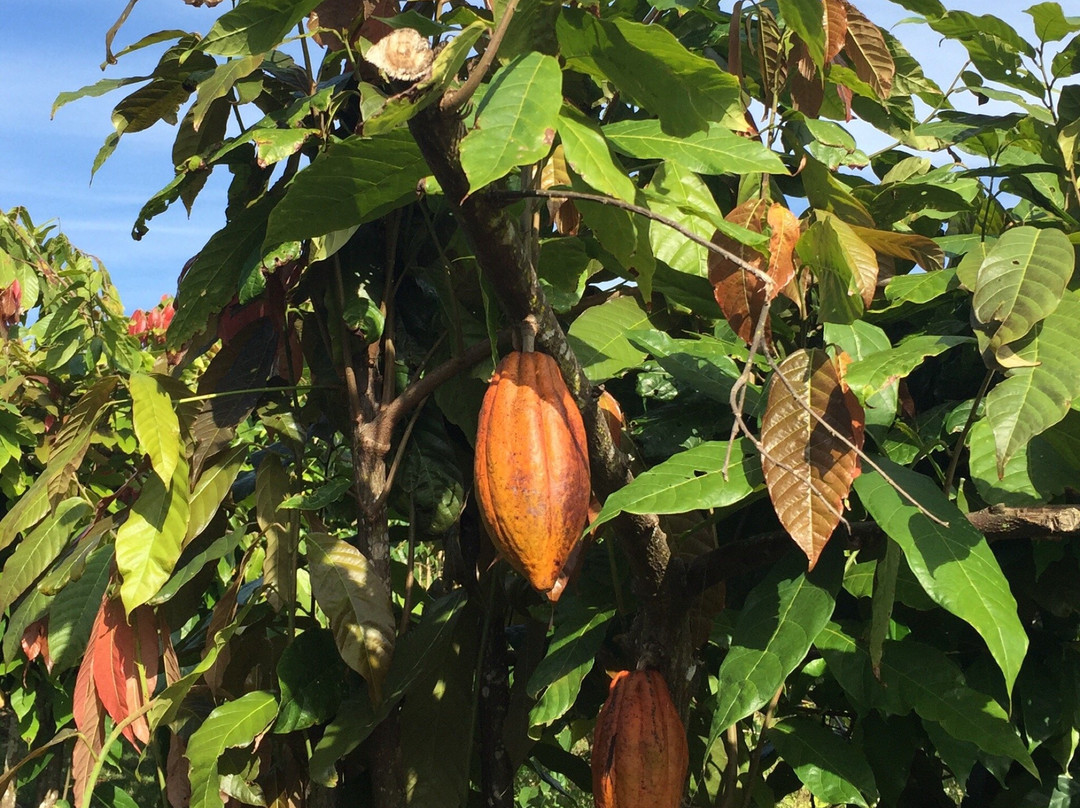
{"points": [[119, 649]]}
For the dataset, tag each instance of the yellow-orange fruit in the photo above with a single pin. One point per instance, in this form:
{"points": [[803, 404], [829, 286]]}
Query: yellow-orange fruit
{"points": [[613, 414], [532, 467], [639, 754]]}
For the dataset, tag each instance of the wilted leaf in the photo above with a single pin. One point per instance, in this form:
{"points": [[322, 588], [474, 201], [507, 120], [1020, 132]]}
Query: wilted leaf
{"points": [[808, 470], [357, 604], [836, 25], [865, 45], [740, 294]]}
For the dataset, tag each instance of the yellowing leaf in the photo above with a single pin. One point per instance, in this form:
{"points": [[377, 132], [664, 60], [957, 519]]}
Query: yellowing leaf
{"points": [[358, 606], [156, 424], [808, 470]]}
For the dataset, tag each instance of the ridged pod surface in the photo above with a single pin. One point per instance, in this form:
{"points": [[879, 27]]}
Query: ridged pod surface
{"points": [[639, 754], [532, 467]]}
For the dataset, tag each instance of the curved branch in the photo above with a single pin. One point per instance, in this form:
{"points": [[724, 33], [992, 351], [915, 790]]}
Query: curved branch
{"points": [[455, 100]]}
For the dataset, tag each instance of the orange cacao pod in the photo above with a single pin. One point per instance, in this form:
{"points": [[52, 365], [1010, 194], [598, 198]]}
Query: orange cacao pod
{"points": [[532, 467], [639, 754]]}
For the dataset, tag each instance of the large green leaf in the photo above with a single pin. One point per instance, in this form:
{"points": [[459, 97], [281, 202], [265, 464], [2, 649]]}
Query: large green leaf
{"points": [[841, 263], [312, 681], [220, 82], [953, 563], [212, 487], [704, 363], [1037, 395], [682, 196], [515, 120], [715, 150], [352, 182], [1032, 476], [150, 540], [556, 681], [780, 619], [804, 18], [588, 154], [156, 424], [598, 337], [358, 606], [254, 26], [39, 549], [876, 371], [833, 769], [1020, 282], [651, 67], [688, 481], [72, 613], [187, 569], [235, 723], [213, 278]]}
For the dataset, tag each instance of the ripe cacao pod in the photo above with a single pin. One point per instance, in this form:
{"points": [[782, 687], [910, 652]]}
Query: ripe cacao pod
{"points": [[532, 467], [639, 754]]}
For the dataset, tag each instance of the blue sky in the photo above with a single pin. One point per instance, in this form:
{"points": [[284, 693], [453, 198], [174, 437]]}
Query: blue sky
{"points": [[45, 164]]}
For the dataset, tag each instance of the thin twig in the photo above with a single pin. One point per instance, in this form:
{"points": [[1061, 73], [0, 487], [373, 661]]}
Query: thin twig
{"points": [[755, 756], [954, 456], [641, 211], [858, 451], [456, 99], [399, 455]]}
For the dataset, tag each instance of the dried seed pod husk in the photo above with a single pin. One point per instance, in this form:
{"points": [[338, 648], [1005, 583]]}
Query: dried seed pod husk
{"points": [[639, 754], [532, 467]]}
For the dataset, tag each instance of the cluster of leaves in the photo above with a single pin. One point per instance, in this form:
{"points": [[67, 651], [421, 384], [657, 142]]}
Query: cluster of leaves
{"points": [[249, 555]]}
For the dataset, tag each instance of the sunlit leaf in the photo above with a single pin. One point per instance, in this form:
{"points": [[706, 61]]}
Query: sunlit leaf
{"points": [[865, 47], [156, 424], [588, 154], [254, 26], [715, 150], [808, 469], [833, 769]]}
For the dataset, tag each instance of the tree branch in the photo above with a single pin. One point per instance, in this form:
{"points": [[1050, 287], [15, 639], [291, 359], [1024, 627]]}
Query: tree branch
{"points": [[455, 100]]}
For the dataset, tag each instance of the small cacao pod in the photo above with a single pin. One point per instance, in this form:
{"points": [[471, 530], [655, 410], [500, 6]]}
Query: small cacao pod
{"points": [[532, 467], [639, 754]]}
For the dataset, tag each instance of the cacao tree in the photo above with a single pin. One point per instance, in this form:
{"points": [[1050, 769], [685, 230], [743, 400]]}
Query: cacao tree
{"points": [[827, 398]]}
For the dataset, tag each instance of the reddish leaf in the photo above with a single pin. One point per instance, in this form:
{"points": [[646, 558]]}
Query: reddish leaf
{"points": [[35, 642], [865, 46], [177, 784], [836, 24], [116, 675], [807, 85], [741, 294], [808, 470], [89, 715]]}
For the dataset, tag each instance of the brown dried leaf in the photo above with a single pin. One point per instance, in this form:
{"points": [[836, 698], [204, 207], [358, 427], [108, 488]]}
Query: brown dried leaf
{"points": [[741, 295], [865, 46], [807, 83], [177, 784], [734, 59], [35, 642], [564, 214], [836, 25], [808, 470], [771, 60]]}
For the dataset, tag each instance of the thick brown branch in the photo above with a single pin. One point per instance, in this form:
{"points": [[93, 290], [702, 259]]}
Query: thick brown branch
{"points": [[1046, 523], [456, 99]]}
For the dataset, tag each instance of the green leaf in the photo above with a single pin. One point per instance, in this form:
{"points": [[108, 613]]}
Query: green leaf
{"points": [[156, 424], [878, 370], [651, 67], [954, 564], [1035, 397], [213, 278], [352, 182], [254, 26], [563, 267], [34, 554], [358, 606], [212, 487], [235, 723], [220, 82], [834, 770], [1020, 282], [149, 542], [515, 120], [1033, 475], [923, 677], [577, 640], [588, 154], [598, 337], [839, 260], [780, 619], [691, 480], [716, 150], [919, 287], [94, 90], [804, 18], [704, 363], [312, 680], [188, 569], [682, 196], [72, 613]]}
